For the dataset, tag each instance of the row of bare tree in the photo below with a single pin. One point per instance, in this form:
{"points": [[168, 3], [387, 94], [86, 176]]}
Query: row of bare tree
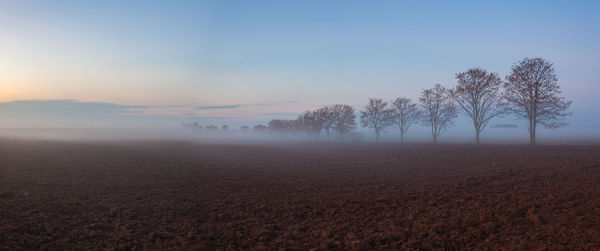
{"points": [[530, 91]]}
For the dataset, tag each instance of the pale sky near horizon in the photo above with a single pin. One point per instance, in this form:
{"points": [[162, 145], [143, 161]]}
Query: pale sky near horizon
{"points": [[252, 60]]}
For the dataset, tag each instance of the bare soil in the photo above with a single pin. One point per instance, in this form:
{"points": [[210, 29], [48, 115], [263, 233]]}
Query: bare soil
{"points": [[174, 195]]}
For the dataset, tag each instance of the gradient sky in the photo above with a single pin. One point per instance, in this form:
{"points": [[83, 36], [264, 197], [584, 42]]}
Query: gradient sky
{"points": [[254, 60]]}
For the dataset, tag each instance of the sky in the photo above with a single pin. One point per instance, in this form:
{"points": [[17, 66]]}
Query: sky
{"points": [[160, 63]]}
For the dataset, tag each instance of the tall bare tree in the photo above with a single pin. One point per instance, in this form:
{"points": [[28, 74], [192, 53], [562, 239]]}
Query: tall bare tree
{"points": [[439, 109], [533, 92], [375, 116], [260, 128], [325, 114], [312, 122], [404, 112], [320, 118], [342, 119], [479, 96], [279, 126], [305, 122]]}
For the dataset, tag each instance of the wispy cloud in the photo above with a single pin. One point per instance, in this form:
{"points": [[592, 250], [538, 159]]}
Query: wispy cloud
{"points": [[279, 114], [234, 106], [67, 107], [217, 107]]}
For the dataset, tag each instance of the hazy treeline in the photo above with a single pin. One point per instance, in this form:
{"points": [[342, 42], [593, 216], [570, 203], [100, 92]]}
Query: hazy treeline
{"points": [[529, 92], [334, 121]]}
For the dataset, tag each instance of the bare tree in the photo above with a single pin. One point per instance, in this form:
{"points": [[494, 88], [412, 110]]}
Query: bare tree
{"points": [[260, 128], [533, 92], [320, 118], [311, 122], [375, 116], [439, 109], [296, 126], [479, 96], [304, 122], [342, 119], [193, 126], [327, 116], [404, 112], [279, 126], [212, 128]]}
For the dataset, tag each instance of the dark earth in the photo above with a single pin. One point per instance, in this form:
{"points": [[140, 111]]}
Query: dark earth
{"points": [[153, 195]]}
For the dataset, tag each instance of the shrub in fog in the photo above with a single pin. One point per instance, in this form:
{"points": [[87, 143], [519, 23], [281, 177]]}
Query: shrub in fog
{"points": [[211, 128], [192, 126]]}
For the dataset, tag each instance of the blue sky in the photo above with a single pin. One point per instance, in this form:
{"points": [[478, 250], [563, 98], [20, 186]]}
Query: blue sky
{"points": [[247, 61]]}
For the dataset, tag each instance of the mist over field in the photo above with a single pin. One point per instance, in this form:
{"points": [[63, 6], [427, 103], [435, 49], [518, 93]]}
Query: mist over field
{"points": [[68, 120], [417, 135]]}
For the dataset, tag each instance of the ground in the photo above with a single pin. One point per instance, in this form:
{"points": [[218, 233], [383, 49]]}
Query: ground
{"points": [[175, 195]]}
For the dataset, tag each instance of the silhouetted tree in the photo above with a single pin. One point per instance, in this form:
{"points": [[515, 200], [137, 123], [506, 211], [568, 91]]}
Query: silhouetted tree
{"points": [[478, 95], [404, 112], [439, 109], [304, 122], [312, 122], [279, 126], [260, 128], [331, 119], [342, 119], [245, 129], [375, 116], [326, 114], [225, 128], [193, 126], [321, 117], [295, 126], [532, 91], [212, 128]]}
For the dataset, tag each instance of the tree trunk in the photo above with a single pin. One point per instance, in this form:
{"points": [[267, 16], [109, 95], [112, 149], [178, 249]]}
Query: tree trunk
{"points": [[532, 136], [435, 139], [401, 137], [377, 136], [477, 136], [532, 127]]}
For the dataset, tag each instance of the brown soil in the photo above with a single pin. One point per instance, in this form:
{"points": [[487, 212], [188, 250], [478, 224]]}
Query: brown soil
{"points": [[169, 195]]}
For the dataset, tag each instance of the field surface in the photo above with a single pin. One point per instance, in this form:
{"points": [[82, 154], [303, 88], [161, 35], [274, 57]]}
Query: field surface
{"points": [[173, 195]]}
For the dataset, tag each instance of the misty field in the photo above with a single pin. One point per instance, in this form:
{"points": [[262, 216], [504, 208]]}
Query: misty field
{"points": [[174, 195]]}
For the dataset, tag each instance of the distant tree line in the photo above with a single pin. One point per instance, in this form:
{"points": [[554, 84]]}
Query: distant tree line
{"points": [[529, 92], [332, 121]]}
